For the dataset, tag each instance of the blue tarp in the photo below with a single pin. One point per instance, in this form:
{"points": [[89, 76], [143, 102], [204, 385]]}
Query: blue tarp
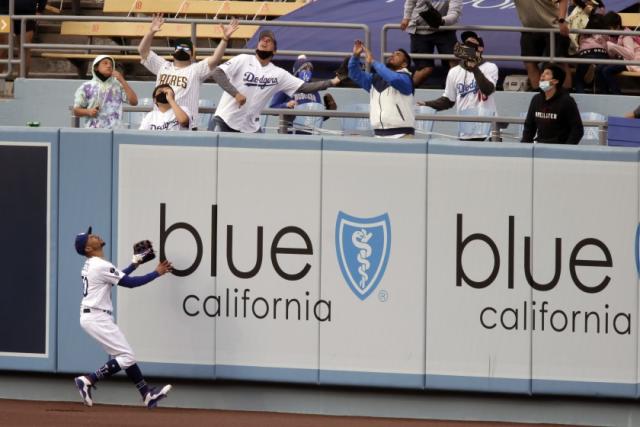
{"points": [[376, 13]]}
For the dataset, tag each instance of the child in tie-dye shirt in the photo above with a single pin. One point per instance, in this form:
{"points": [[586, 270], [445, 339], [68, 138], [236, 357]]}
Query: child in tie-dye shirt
{"points": [[100, 99]]}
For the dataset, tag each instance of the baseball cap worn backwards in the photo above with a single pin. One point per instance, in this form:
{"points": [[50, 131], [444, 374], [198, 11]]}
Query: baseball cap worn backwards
{"points": [[81, 241], [184, 44]]}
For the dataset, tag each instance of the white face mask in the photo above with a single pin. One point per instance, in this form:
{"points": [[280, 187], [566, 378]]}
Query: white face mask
{"points": [[545, 85]]}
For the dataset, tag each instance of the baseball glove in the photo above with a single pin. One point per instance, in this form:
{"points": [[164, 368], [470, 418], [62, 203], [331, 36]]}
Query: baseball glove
{"points": [[343, 70], [431, 16], [329, 102], [143, 252]]}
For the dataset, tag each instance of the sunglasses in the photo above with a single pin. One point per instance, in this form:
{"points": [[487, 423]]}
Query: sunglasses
{"points": [[183, 47]]}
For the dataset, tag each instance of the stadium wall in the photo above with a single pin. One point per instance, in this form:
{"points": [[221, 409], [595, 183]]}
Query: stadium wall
{"points": [[319, 260]]}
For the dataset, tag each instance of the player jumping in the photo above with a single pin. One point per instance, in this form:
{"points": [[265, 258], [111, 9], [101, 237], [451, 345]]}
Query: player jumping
{"points": [[98, 276]]}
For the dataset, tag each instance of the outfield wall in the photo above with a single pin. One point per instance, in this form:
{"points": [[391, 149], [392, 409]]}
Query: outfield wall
{"points": [[317, 260]]}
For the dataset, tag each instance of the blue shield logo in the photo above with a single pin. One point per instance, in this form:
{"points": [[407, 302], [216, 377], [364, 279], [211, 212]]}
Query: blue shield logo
{"points": [[362, 246]]}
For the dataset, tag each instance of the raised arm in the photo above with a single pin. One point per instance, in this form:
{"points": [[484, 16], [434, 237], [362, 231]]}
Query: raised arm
{"points": [[227, 31], [145, 44], [131, 95], [181, 116]]}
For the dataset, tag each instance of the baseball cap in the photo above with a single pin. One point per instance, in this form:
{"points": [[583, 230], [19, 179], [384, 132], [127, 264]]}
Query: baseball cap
{"points": [[81, 241], [466, 34], [301, 62], [269, 33], [184, 44]]}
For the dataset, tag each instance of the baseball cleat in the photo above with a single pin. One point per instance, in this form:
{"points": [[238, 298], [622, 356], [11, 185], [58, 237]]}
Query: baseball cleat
{"points": [[155, 395], [84, 387]]}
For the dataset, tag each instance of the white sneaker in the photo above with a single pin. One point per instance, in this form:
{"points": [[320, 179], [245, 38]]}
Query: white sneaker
{"points": [[155, 395], [84, 387]]}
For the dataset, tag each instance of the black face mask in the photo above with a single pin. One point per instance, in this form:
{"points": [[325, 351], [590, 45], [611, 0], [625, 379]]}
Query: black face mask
{"points": [[181, 55], [264, 54], [161, 98]]}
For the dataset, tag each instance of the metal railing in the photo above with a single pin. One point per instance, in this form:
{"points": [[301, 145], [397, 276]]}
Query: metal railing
{"points": [[496, 121], [552, 45], [192, 22]]}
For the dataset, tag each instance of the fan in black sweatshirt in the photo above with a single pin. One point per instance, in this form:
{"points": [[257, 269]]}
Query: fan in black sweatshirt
{"points": [[553, 114]]}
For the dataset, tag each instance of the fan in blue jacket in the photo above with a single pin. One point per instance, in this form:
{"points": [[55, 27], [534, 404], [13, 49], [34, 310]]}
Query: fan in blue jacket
{"points": [[302, 69], [391, 90]]}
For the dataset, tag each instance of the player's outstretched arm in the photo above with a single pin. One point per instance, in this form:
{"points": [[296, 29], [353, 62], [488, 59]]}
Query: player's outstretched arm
{"points": [[145, 44], [133, 282], [227, 31]]}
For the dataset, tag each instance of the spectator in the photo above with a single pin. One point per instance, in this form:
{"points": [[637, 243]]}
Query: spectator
{"points": [[470, 86], [553, 115], [592, 46], [635, 114], [623, 46], [183, 75], [543, 14], [100, 99], [21, 7], [579, 18], [438, 12], [167, 115], [249, 82], [390, 89], [302, 69]]}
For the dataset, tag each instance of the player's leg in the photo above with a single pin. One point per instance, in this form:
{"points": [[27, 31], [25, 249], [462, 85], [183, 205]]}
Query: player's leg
{"points": [[104, 330]]}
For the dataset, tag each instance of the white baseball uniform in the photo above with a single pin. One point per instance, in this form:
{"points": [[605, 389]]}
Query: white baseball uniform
{"points": [[258, 84], [157, 120], [185, 82], [98, 276], [462, 88]]}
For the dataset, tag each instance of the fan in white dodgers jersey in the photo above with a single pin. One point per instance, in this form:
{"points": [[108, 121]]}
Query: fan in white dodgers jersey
{"points": [[98, 276], [250, 81], [184, 76], [470, 87], [167, 114]]}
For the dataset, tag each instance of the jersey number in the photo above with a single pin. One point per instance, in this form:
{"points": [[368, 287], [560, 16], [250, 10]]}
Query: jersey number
{"points": [[85, 286]]}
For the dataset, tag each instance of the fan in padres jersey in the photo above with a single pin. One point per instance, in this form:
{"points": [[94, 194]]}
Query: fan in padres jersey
{"points": [[183, 75], [98, 276]]}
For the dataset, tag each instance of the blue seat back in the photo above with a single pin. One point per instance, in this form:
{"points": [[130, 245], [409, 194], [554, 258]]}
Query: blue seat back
{"points": [[134, 118], [356, 126], [309, 123]]}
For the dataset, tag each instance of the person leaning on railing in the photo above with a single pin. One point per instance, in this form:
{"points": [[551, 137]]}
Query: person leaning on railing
{"points": [[250, 81], [553, 115]]}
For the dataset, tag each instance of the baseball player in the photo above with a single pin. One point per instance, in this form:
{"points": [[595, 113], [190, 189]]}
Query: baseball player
{"points": [[98, 276], [183, 75], [250, 81]]}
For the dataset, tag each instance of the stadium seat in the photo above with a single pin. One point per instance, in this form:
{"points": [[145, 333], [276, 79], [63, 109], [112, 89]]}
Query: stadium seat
{"points": [[205, 120], [424, 127], [356, 126], [134, 118], [591, 134], [309, 123]]}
